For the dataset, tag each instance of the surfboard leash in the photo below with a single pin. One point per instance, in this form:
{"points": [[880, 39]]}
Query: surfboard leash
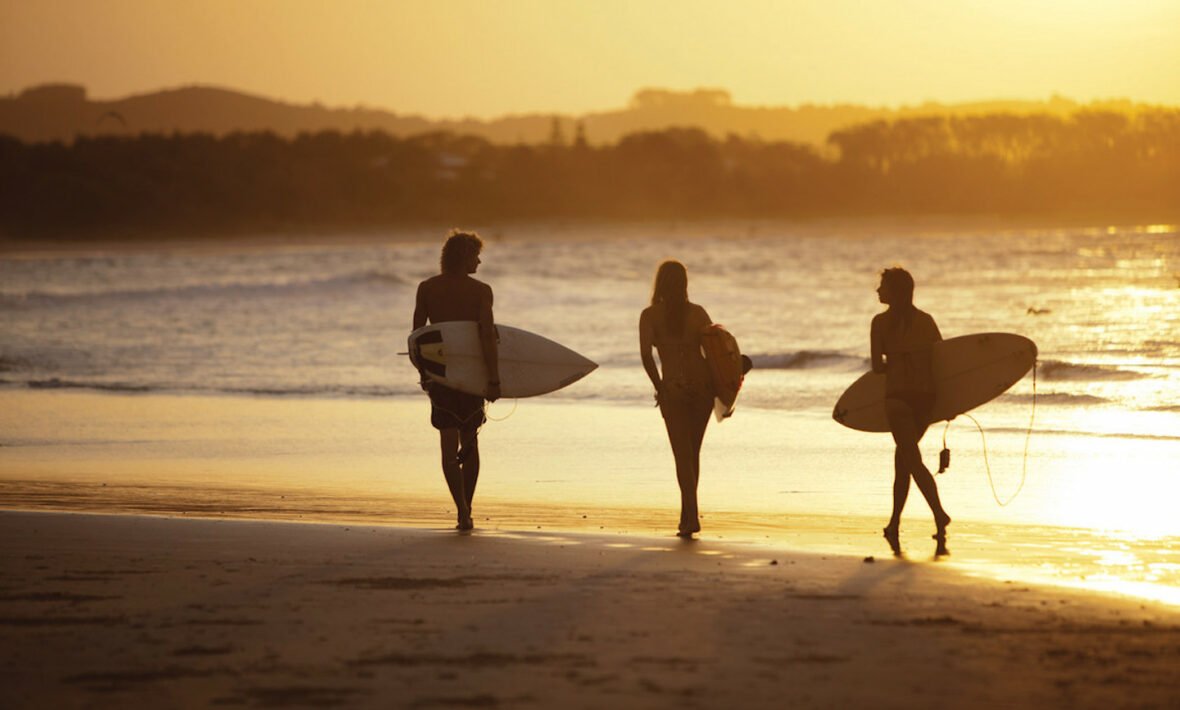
{"points": [[944, 456], [465, 447], [490, 418]]}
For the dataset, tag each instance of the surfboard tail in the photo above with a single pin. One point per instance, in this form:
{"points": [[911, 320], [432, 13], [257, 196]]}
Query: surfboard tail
{"points": [[727, 368]]}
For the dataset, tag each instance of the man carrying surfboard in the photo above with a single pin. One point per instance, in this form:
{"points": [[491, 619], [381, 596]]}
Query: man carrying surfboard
{"points": [[453, 295], [901, 340]]}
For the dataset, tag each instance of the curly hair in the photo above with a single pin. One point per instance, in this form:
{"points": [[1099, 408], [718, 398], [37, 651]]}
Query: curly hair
{"points": [[459, 246]]}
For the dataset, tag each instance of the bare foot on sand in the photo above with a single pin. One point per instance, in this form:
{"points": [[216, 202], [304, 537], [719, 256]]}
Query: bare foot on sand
{"points": [[893, 537], [940, 535], [940, 549]]}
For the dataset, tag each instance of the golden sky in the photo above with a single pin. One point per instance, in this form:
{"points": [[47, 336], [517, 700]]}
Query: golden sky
{"points": [[485, 58]]}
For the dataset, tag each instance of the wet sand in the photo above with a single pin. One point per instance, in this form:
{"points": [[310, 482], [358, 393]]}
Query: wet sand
{"points": [[122, 611], [774, 479]]}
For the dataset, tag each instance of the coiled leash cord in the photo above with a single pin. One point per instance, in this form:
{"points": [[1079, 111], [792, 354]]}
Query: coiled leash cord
{"points": [[465, 446], [944, 455]]}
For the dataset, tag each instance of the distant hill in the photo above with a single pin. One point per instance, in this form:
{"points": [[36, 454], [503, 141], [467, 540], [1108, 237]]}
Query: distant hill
{"points": [[61, 112]]}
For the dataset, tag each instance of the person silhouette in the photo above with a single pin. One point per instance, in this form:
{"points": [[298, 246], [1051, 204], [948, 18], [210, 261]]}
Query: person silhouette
{"points": [[901, 338], [672, 325], [453, 295]]}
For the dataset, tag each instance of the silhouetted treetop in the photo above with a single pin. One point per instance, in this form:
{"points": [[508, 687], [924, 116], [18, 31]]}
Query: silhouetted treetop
{"points": [[646, 99], [1091, 162]]}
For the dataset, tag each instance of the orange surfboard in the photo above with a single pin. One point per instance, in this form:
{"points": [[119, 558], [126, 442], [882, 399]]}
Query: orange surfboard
{"points": [[727, 368]]}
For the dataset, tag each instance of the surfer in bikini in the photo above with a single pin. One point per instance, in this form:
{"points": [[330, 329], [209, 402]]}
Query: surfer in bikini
{"points": [[673, 326], [901, 340], [453, 295]]}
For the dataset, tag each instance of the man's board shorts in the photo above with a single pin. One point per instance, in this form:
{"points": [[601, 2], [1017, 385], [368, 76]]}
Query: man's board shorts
{"points": [[451, 409]]}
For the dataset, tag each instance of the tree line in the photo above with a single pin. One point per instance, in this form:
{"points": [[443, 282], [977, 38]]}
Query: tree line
{"points": [[1090, 163]]}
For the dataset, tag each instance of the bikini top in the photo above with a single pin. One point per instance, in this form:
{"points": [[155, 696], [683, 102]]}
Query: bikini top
{"points": [[680, 354]]}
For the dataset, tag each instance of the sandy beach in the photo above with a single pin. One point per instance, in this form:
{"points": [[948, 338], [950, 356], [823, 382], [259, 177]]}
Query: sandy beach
{"points": [[139, 611]]}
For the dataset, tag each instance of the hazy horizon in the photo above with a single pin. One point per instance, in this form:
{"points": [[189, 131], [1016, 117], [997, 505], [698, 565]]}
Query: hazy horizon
{"points": [[621, 105], [460, 59]]}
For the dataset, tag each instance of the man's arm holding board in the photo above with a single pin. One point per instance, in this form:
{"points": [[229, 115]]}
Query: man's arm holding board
{"points": [[487, 342], [420, 308]]}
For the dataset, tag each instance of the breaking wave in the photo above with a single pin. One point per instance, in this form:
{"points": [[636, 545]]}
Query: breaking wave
{"points": [[809, 359], [1055, 370], [363, 279], [330, 390], [1061, 398]]}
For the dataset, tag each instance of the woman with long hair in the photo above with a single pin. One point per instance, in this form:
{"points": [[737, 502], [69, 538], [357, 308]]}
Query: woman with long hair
{"points": [[901, 338], [673, 325]]}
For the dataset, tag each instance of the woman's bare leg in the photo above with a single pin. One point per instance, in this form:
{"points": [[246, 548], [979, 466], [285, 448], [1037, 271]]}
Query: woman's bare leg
{"points": [[686, 432], [907, 462]]}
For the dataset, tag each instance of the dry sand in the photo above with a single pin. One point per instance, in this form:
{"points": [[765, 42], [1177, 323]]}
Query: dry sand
{"points": [[149, 612]]}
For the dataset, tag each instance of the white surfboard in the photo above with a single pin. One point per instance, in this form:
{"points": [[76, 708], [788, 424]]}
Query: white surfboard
{"points": [[968, 371], [449, 354]]}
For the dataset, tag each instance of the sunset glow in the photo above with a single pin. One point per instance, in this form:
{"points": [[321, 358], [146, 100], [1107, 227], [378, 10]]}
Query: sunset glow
{"points": [[603, 353], [462, 58]]}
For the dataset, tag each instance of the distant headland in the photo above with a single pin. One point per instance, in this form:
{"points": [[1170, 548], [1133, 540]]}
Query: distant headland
{"points": [[63, 112], [208, 161]]}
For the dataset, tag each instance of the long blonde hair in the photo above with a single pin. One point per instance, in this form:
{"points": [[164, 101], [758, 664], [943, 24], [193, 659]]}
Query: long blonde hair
{"points": [[671, 289]]}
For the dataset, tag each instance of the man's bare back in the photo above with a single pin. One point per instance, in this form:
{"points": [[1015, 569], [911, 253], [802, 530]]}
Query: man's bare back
{"points": [[450, 297]]}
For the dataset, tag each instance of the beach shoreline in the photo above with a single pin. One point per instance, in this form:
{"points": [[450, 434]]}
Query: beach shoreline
{"points": [[374, 462], [126, 610], [1107, 564]]}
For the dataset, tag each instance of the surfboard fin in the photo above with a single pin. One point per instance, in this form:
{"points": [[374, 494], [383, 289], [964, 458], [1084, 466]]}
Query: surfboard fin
{"points": [[944, 460]]}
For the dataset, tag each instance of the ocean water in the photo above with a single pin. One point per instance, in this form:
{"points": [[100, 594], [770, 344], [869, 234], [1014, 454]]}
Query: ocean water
{"points": [[281, 360], [1103, 306]]}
